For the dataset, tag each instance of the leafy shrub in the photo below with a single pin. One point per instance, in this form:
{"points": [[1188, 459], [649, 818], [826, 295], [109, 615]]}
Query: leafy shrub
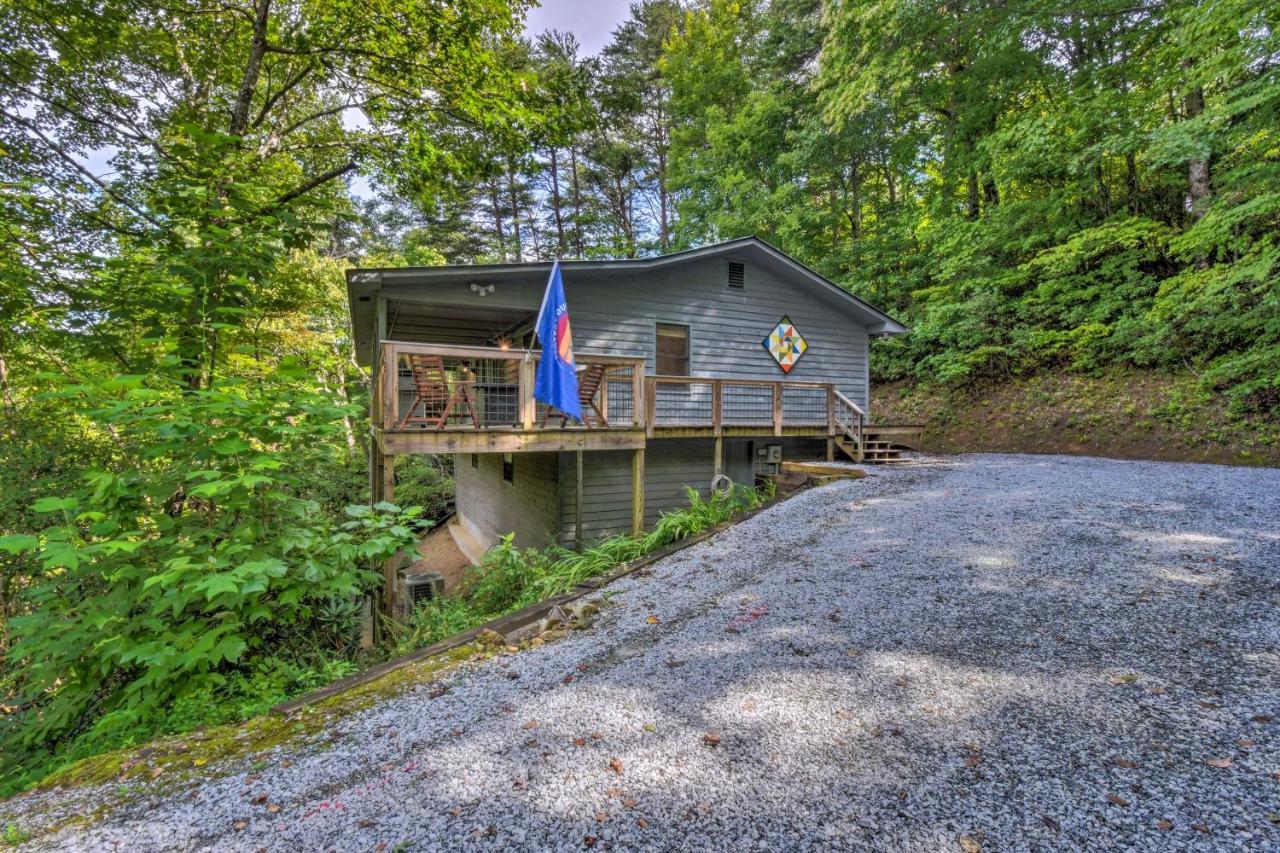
{"points": [[192, 560], [510, 578], [425, 481]]}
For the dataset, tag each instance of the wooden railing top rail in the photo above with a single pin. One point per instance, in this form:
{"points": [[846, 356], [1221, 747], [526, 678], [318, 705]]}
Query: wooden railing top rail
{"points": [[497, 353], [852, 405], [724, 380]]}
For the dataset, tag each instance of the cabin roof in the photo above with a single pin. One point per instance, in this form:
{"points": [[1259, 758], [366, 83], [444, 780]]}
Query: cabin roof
{"points": [[362, 282]]}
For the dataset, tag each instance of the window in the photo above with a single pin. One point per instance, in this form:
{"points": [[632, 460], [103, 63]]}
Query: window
{"points": [[672, 350], [737, 275], [508, 468], [475, 460]]}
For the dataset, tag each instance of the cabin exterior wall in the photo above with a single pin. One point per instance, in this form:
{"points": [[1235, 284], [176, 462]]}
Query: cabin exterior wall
{"points": [[617, 315]]}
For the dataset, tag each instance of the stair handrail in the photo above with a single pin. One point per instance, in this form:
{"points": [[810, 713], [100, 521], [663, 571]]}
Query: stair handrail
{"points": [[851, 430]]}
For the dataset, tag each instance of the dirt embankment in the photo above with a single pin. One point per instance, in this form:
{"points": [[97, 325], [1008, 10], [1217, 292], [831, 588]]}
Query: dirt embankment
{"points": [[1128, 415]]}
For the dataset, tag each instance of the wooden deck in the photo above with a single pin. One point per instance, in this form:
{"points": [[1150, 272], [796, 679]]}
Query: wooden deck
{"points": [[490, 406]]}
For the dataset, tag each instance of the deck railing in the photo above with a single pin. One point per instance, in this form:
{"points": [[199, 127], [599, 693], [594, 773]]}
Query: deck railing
{"points": [[466, 387], [434, 387]]}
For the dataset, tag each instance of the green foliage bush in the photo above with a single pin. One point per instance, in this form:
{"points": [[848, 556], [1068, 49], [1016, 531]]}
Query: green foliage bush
{"points": [[186, 567]]}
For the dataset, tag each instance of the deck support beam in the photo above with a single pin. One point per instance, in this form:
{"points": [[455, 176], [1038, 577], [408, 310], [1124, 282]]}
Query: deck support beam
{"points": [[637, 491], [387, 492], [577, 504]]}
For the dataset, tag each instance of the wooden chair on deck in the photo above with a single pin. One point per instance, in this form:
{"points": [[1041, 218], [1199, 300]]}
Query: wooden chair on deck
{"points": [[589, 380], [436, 393]]}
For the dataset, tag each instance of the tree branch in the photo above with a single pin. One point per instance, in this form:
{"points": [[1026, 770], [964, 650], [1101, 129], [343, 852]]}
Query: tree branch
{"points": [[318, 180], [253, 67], [90, 176], [289, 85]]}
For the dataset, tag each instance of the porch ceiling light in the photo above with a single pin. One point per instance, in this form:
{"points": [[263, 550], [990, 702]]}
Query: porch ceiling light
{"points": [[481, 289]]}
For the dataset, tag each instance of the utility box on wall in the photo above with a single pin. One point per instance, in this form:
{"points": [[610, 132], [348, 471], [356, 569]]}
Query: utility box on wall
{"points": [[768, 460]]}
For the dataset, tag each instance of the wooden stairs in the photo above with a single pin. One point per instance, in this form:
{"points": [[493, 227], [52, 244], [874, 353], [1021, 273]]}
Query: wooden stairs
{"points": [[863, 442], [882, 444]]}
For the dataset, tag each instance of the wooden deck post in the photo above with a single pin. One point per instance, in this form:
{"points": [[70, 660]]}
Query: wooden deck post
{"points": [[388, 494], [577, 505], [650, 406], [528, 406], [637, 395], [389, 373], [717, 406], [719, 455], [777, 408], [637, 490]]}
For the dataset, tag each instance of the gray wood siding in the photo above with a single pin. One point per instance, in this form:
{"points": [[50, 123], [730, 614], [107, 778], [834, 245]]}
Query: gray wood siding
{"points": [[528, 507], [669, 465], [617, 315]]}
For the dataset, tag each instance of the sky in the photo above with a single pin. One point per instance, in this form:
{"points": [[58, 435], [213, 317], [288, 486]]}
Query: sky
{"points": [[592, 21]]}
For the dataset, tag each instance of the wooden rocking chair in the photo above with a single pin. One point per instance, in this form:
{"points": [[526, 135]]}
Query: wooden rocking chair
{"points": [[589, 381], [437, 393]]}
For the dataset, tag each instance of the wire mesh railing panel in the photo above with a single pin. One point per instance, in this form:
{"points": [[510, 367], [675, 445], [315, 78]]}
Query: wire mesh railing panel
{"points": [[618, 394], [747, 405], [804, 405], [437, 392], [682, 403], [441, 387]]}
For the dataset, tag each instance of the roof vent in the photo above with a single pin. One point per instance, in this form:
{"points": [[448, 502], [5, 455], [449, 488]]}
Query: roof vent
{"points": [[737, 275]]}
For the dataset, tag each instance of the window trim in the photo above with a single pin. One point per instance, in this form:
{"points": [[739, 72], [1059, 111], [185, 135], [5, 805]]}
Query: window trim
{"points": [[688, 358]]}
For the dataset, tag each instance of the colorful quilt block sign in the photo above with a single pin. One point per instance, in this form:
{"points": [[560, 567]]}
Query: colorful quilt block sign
{"points": [[785, 344]]}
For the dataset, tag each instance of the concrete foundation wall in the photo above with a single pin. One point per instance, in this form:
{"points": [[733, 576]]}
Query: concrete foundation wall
{"points": [[529, 506]]}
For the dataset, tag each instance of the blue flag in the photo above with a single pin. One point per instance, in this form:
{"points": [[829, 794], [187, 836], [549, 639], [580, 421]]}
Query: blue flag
{"points": [[557, 377]]}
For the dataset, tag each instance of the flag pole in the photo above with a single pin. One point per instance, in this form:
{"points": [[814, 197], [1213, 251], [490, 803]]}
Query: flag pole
{"points": [[546, 292]]}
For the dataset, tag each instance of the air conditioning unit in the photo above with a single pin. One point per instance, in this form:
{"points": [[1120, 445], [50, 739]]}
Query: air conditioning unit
{"points": [[421, 588]]}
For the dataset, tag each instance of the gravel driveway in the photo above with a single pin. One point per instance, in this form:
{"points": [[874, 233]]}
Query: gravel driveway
{"points": [[980, 653]]}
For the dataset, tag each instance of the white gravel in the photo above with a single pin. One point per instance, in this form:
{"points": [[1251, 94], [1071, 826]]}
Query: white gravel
{"points": [[976, 651]]}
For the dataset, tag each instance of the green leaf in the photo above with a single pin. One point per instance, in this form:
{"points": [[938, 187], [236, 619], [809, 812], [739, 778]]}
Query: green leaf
{"points": [[54, 504], [17, 543], [215, 585]]}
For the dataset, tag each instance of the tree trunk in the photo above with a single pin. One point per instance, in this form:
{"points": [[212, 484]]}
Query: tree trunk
{"points": [[497, 218], [990, 192], [971, 202], [577, 201], [664, 199], [1104, 192], [1197, 169], [515, 211], [1131, 181], [253, 68], [555, 201], [853, 200]]}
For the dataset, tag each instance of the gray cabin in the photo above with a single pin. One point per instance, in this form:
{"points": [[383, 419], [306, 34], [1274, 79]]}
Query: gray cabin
{"points": [[725, 359]]}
